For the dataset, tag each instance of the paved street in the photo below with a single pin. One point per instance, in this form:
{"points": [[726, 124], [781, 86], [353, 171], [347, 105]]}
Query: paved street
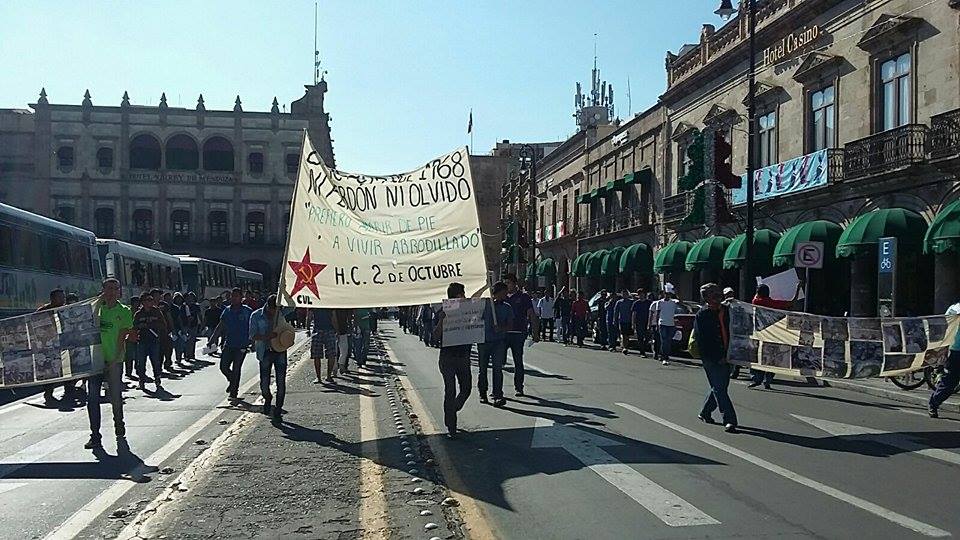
{"points": [[604, 446]]}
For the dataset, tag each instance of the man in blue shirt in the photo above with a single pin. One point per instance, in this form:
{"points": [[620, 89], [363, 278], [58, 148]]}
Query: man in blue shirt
{"points": [[494, 348], [235, 328], [262, 323], [523, 317]]}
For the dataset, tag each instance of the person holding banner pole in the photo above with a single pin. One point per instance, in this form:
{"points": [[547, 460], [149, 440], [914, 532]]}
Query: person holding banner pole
{"points": [[454, 367], [497, 318], [116, 328], [762, 298], [525, 323]]}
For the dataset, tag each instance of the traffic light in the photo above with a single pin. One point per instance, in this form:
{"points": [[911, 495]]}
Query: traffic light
{"points": [[722, 162], [695, 166]]}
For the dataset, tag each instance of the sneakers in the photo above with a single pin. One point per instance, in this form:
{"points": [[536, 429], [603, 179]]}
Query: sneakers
{"points": [[499, 402], [730, 428], [766, 386], [93, 444], [706, 419], [665, 362], [520, 393], [483, 398], [934, 413], [755, 384]]}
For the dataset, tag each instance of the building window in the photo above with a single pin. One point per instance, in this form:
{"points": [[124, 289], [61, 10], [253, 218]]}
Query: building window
{"points": [[683, 160], [293, 163], [255, 162], [66, 214], [103, 222], [218, 155], [822, 118], [142, 226], [219, 234], [182, 153], [767, 134], [576, 211], [65, 158], [180, 225], [256, 231], [895, 92], [563, 208], [145, 152], [105, 158]]}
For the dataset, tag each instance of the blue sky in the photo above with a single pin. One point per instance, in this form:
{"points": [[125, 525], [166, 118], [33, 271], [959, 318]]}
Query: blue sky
{"points": [[402, 75]]}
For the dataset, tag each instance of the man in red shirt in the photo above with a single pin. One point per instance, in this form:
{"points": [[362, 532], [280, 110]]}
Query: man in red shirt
{"points": [[762, 298], [579, 311]]}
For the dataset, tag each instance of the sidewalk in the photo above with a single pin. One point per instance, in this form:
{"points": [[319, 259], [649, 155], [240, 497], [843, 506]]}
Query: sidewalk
{"points": [[335, 468]]}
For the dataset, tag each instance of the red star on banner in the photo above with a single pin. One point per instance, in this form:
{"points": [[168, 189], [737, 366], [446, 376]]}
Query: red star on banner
{"points": [[306, 272]]}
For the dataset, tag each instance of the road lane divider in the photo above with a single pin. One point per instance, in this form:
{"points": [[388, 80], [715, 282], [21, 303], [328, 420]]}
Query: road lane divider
{"points": [[86, 515], [875, 509]]}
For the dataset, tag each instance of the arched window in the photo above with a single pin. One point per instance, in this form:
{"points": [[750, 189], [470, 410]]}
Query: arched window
{"points": [[105, 158], [217, 155], [180, 226], [65, 158], [66, 214], [219, 233], [256, 231], [145, 152], [182, 153], [103, 223], [142, 226]]}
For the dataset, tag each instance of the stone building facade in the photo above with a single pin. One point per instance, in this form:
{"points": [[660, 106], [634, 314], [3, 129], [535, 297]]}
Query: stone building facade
{"points": [[867, 93], [197, 181]]}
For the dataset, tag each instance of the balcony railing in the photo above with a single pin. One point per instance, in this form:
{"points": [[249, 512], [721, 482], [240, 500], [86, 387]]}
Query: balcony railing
{"points": [[885, 152], [945, 135], [632, 217], [677, 207]]}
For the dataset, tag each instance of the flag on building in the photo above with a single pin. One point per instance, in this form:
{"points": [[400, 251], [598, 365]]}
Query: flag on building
{"points": [[470, 122]]}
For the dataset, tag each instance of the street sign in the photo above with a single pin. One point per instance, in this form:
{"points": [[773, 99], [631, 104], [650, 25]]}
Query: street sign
{"points": [[808, 255], [886, 276]]}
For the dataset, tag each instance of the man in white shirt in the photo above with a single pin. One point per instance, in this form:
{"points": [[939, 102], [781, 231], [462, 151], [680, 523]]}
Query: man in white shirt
{"points": [[545, 312], [662, 314]]}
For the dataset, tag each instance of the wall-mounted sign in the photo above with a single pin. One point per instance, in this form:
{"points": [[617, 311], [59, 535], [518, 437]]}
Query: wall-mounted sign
{"points": [[620, 138], [181, 177], [791, 44]]}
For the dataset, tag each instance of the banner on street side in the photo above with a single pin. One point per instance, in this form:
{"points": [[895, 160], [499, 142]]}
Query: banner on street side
{"points": [[837, 347], [50, 346], [463, 321], [798, 174], [357, 240]]}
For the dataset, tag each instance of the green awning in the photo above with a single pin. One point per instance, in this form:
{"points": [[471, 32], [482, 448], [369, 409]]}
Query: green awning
{"points": [[603, 190], [584, 199], [595, 263], [638, 177], [619, 184], [547, 268], [579, 266], [944, 233], [637, 258], [707, 253], [671, 257], [764, 240], [595, 194], [611, 263], [861, 236], [811, 231]]}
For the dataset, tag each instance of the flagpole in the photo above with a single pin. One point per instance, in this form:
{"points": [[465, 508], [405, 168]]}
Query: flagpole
{"points": [[282, 282]]}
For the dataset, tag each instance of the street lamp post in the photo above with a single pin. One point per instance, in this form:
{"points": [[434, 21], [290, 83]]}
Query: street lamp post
{"points": [[726, 11], [528, 164]]}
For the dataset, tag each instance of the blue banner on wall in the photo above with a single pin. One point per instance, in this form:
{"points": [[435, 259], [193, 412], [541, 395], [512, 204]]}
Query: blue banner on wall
{"points": [[798, 174]]}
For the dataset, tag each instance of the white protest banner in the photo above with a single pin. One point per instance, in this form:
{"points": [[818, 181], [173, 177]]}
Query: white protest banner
{"points": [[372, 241], [463, 321], [783, 285], [50, 346]]}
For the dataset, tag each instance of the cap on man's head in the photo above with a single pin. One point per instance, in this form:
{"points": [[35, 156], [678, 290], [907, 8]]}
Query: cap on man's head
{"points": [[668, 287], [728, 290]]}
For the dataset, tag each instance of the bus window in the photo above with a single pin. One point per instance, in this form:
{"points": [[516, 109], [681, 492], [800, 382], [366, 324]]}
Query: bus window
{"points": [[29, 249], [177, 279], [168, 278], [57, 256], [6, 245], [80, 259]]}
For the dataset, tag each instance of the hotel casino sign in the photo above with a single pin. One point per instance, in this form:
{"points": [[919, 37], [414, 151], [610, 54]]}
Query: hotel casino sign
{"points": [[792, 44], [180, 177]]}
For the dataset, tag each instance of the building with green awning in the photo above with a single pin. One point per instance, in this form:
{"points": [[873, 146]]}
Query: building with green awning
{"points": [[637, 258], [672, 257], [764, 241], [821, 230], [707, 254]]}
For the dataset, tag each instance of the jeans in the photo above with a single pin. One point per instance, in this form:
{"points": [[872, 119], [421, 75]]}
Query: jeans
{"points": [[643, 340], [718, 377], [190, 344], [515, 342], [276, 361], [231, 361], [757, 376], [546, 326], [602, 332], [130, 355], [113, 374], [343, 349], [948, 382], [666, 340], [491, 353], [579, 329], [149, 349], [361, 347], [613, 334], [563, 329], [455, 369]]}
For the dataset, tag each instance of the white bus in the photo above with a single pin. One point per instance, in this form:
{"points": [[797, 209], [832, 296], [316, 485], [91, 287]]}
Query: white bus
{"points": [[139, 268], [248, 280], [207, 278], [38, 255]]}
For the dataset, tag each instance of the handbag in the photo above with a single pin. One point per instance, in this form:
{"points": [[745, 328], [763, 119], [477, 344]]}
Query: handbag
{"points": [[693, 347]]}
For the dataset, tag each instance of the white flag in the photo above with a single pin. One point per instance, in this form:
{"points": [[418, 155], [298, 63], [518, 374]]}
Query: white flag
{"points": [[358, 240]]}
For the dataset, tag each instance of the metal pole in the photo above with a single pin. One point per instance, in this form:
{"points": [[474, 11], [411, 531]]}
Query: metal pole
{"points": [[748, 284], [806, 290]]}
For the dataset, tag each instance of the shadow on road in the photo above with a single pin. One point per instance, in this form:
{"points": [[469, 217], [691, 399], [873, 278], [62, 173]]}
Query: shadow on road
{"points": [[874, 445]]}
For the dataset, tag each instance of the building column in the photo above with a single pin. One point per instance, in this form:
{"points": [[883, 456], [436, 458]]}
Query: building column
{"points": [[863, 286], [946, 290]]}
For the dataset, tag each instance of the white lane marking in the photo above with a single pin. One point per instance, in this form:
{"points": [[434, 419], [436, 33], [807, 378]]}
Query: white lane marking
{"points": [[875, 509], [5, 487], [37, 451], [667, 506], [887, 438], [83, 517]]}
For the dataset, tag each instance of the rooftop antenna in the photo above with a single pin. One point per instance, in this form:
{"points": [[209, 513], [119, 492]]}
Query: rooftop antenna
{"points": [[595, 76], [629, 101], [316, 51]]}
